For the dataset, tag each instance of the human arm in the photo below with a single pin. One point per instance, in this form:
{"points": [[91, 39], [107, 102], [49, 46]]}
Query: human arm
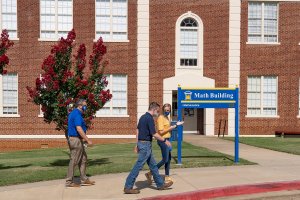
{"points": [[136, 150]]}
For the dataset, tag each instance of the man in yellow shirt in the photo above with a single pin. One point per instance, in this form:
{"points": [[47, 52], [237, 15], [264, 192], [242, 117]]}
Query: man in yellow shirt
{"points": [[164, 129]]}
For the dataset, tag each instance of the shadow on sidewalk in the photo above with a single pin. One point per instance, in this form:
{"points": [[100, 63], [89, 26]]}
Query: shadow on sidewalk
{"points": [[143, 184]]}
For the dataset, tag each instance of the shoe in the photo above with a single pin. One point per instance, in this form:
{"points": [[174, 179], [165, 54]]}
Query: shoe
{"points": [[168, 178], [149, 177], [131, 191], [88, 182], [75, 185], [166, 185]]}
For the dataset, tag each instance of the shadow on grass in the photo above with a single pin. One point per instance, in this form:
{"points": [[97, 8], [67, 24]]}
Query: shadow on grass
{"points": [[91, 162], [12, 167], [223, 157]]}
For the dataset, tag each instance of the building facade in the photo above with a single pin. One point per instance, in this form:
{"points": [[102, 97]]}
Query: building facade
{"points": [[154, 46]]}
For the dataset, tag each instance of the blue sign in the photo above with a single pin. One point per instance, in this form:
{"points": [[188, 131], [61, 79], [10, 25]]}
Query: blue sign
{"points": [[208, 98]]}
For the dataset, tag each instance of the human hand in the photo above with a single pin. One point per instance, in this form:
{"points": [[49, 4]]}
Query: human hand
{"points": [[179, 123], [89, 142], [168, 143], [136, 149]]}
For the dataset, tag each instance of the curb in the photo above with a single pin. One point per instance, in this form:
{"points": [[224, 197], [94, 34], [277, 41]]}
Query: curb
{"points": [[231, 191]]}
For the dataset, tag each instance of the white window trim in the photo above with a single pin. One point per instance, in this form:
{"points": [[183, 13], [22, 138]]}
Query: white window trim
{"points": [[111, 40], [200, 42], [264, 43], [111, 107], [56, 20], [262, 24], [1, 100], [261, 102], [263, 116], [17, 38], [112, 116]]}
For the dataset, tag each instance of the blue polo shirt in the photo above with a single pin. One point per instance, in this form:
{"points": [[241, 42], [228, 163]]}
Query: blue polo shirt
{"points": [[146, 127], [75, 119]]}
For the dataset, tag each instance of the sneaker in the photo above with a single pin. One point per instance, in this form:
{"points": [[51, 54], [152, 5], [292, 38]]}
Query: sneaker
{"points": [[149, 177], [74, 185], [166, 185], [88, 182], [168, 178], [131, 191]]}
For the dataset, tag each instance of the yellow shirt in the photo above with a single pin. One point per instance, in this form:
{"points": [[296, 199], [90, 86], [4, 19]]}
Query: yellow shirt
{"points": [[163, 123]]}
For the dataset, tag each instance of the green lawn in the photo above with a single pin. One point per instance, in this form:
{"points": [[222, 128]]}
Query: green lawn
{"points": [[48, 164], [288, 145]]}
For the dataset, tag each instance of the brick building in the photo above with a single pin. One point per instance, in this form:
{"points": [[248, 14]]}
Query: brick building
{"points": [[154, 45]]}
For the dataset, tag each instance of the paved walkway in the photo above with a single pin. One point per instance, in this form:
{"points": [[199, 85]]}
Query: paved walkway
{"points": [[272, 167]]}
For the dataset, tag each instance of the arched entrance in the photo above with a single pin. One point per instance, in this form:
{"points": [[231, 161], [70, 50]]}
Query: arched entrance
{"points": [[196, 120]]}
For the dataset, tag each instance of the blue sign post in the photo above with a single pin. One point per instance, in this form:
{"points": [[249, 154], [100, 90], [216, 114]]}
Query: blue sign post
{"points": [[208, 98]]}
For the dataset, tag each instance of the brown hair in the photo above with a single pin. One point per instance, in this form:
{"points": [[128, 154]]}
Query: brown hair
{"points": [[166, 105]]}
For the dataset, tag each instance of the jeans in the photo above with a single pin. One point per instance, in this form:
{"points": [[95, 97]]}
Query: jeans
{"points": [[166, 157], [145, 155]]}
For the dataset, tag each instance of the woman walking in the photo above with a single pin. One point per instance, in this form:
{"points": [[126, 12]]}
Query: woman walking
{"points": [[164, 129]]}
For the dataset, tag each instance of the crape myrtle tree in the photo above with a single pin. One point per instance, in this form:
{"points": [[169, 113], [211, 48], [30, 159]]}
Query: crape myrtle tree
{"points": [[4, 46], [64, 80]]}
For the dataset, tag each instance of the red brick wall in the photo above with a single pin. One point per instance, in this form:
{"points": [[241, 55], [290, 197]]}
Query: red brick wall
{"points": [[278, 60], [28, 53], [163, 17]]}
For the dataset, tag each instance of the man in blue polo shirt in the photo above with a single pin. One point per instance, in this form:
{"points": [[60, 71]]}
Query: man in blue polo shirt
{"points": [[76, 137], [145, 132]]}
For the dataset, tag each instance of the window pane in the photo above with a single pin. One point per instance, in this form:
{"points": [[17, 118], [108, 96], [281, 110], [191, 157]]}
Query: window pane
{"points": [[111, 19], [270, 95], [256, 21], [188, 47], [9, 17], [56, 18], [117, 83], [10, 93], [253, 95]]}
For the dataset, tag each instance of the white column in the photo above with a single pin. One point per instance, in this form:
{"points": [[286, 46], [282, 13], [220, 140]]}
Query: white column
{"points": [[209, 121], [142, 57], [234, 54]]}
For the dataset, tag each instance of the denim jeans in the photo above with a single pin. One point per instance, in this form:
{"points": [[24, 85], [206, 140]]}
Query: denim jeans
{"points": [[166, 157], [145, 155]]}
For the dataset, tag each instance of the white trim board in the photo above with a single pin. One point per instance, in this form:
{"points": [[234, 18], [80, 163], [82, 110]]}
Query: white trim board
{"points": [[63, 136], [143, 32]]}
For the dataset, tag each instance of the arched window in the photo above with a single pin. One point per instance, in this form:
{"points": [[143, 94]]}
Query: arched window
{"points": [[189, 41]]}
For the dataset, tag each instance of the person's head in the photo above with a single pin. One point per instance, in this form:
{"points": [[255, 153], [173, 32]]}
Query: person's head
{"points": [[166, 109], [81, 105], [154, 109]]}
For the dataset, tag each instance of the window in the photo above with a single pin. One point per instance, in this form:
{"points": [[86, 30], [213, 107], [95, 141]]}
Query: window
{"points": [[111, 19], [117, 106], [262, 96], [9, 17], [263, 22], [189, 42], [9, 94], [56, 18]]}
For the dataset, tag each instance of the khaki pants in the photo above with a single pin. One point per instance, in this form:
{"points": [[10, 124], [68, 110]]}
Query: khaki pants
{"points": [[78, 157]]}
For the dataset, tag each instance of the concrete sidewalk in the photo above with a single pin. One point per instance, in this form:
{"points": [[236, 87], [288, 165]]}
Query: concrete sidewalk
{"points": [[272, 167]]}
